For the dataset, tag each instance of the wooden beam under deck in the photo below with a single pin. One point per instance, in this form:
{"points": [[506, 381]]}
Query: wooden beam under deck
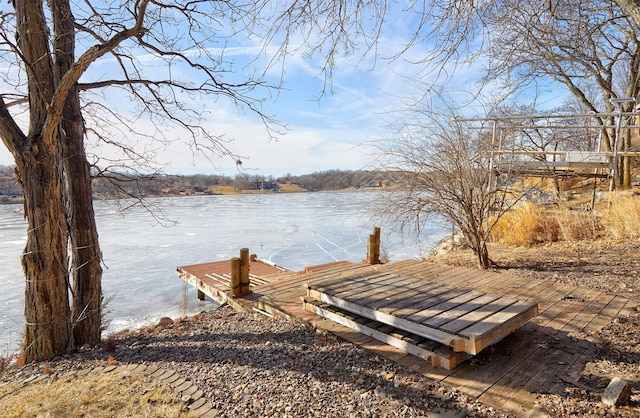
{"points": [[533, 359]]}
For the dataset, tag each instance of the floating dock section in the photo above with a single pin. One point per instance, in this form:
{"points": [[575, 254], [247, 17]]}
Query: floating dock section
{"points": [[466, 320]]}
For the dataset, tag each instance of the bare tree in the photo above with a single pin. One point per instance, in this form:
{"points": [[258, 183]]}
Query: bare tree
{"points": [[443, 167], [577, 44], [585, 46], [53, 110]]}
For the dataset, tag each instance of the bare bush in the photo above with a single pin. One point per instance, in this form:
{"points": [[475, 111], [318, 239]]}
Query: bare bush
{"points": [[443, 168]]}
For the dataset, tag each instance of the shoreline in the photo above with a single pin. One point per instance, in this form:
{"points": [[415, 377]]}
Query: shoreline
{"points": [[276, 367]]}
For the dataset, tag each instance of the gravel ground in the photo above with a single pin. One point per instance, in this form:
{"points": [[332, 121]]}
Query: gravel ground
{"points": [[251, 365]]}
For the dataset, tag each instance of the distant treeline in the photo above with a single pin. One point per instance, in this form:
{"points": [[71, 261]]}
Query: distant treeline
{"points": [[111, 184], [336, 179], [211, 183]]}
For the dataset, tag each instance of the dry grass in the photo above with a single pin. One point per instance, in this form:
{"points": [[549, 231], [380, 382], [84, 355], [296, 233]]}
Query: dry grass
{"points": [[224, 189], [526, 225], [578, 226], [529, 224], [288, 188], [622, 219], [94, 395]]}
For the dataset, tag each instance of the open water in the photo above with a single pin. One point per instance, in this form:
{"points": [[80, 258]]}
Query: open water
{"points": [[141, 251]]}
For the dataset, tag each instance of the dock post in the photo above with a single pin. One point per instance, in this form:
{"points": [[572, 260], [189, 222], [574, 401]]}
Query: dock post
{"points": [[244, 271], [235, 277], [200, 294], [373, 247]]}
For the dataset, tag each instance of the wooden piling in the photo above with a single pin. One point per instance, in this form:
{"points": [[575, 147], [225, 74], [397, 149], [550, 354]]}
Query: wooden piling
{"points": [[235, 277], [373, 247], [200, 294], [244, 271]]}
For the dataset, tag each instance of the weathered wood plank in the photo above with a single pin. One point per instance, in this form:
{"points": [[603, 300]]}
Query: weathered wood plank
{"points": [[592, 309], [447, 358], [372, 291], [404, 298], [528, 356], [401, 323], [425, 300], [331, 279], [212, 289], [498, 325], [418, 269], [415, 296], [606, 315], [349, 286], [476, 381], [440, 310], [488, 305]]}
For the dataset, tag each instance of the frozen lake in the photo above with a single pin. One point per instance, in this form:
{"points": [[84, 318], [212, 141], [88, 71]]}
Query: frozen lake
{"points": [[141, 255]]}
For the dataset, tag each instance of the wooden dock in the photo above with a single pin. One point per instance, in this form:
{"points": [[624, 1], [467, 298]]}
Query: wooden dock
{"points": [[215, 279], [518, 356]]}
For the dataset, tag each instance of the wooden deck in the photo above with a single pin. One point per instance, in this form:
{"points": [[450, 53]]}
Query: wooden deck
{"points": [[539, 357], [465, 320], [214, 279]]}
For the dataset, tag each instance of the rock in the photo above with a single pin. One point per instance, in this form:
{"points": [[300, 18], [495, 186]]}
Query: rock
{"points": [[617, 393], [165, 321], [447, 244]]}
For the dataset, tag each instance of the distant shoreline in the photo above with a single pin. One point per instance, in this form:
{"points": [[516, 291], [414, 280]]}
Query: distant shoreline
{"points": [[220, 192]]}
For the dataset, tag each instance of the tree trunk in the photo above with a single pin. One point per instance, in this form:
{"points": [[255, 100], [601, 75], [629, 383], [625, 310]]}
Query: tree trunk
{"points": [[47, 313], [482, 255], [83, 235], [478, 245], [39, 160], [85, 249]]}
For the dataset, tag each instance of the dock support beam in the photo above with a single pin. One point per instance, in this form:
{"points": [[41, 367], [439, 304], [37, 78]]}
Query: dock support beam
{"points": [[373, 247], [200, 294], [244, 271], [235, 277], [240, 274]]}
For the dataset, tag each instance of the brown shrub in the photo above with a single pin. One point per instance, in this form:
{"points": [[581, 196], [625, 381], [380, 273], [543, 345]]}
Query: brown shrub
{"points": [[110, 344], [5, 361], [576, 226]]}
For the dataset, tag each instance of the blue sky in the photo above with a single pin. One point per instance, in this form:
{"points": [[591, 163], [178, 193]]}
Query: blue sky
{"points": [[324, 133], [321, 134]]}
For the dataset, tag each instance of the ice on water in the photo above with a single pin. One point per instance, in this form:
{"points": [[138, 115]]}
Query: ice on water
{"points": [[141, 256]]}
